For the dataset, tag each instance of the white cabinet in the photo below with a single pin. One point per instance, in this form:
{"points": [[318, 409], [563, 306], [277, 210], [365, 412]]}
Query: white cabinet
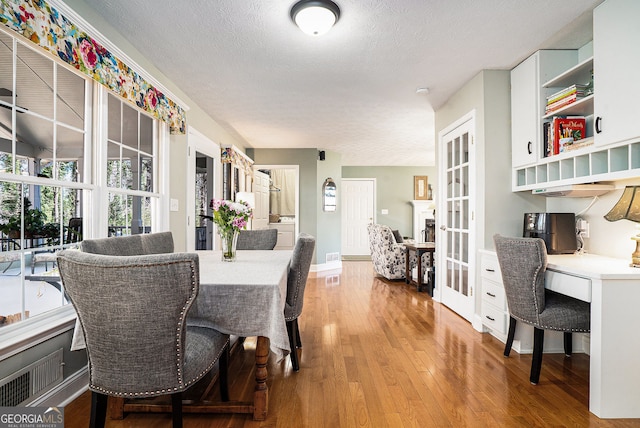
{"points": [[616, 35], [286, 238], [528, 100], [495, 315], [524, 112]]}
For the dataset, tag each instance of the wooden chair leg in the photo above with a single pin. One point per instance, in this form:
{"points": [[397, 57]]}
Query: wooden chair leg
{"points": [[223, 367], [510, 336], [298, 341], [568, 343], [291, 330], [98, 410], [536, 363], [176, 409]]}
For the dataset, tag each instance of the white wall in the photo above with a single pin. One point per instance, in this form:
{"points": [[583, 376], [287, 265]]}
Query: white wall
{"points": [[606, 238]]}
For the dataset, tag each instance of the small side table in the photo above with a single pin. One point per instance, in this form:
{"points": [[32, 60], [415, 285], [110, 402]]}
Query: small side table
{"points": [[420, 249]]}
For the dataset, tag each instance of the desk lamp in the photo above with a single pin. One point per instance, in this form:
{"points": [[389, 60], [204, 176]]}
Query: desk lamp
{"points": [[628, 207]]}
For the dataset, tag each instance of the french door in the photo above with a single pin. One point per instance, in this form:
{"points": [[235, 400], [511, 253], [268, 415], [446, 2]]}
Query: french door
{"points": [[456, 214]]}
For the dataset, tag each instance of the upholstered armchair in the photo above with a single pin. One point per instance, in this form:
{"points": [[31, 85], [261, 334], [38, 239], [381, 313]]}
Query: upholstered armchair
{"points": [[133, 313], [296, 283], [260, 239], [523, 262], [133, 245], [388, 256]]}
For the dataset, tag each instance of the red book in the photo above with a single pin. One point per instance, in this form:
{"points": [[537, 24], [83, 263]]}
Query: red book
{"points": [[566, 130]]}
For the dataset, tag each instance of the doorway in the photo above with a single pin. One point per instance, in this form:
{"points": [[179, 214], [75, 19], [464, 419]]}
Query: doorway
{"points": [[202, 186], [358, 211], [283, 208]]}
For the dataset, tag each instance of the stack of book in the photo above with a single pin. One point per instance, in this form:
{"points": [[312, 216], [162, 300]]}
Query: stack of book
{"points": [[563, 132], [564, 97]]}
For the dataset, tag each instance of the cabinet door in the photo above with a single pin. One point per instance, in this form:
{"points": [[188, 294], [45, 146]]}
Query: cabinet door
{"points": [[616, 35], [525, 115]]}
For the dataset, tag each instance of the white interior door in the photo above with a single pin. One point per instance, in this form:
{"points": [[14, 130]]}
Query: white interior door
{"points": [[261, 191], [456, 152], [358, 207]]}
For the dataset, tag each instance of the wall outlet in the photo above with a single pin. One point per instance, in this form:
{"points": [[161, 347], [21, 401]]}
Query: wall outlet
{"points": [[583, 228], [384, 211]]}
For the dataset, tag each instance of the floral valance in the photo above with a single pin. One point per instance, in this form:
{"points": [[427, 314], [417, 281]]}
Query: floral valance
{"points": [[45, 26], [231, 155]]}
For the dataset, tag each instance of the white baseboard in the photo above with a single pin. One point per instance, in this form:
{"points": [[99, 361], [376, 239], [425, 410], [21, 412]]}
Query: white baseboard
{"points": [[334, 265]]}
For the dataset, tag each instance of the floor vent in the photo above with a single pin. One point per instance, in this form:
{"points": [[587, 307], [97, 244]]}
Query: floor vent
{"points": [[332, 257], [34, 380]]}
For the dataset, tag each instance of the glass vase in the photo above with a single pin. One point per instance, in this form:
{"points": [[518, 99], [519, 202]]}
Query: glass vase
{"points": [[229, 239]]}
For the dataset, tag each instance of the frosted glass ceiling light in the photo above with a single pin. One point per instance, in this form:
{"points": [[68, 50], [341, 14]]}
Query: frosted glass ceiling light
{"points": [[315, 17]]}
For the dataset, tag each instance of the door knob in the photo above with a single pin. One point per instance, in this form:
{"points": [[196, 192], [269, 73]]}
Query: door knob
{"points": [[443, 227]]}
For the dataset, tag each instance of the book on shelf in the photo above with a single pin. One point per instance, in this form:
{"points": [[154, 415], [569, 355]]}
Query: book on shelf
{"points": [[565, 92], [562, 103], [561, 133], [585, 142], [564, 97]]}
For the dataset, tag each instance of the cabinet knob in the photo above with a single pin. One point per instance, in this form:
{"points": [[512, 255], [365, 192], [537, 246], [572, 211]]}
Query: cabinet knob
{"points": [[529, 147], [598, 122]]}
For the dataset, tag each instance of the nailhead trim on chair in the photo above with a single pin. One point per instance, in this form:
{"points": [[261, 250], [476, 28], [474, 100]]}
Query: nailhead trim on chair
{"points": [[183, 384]]}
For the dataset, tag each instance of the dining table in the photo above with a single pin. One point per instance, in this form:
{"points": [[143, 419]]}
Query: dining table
{"points": [[244, 298]]}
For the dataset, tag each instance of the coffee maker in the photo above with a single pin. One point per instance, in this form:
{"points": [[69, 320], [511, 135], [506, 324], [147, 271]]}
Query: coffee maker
{"points": [[558, 230]]}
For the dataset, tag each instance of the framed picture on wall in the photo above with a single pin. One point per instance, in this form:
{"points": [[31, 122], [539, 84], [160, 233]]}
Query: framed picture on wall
{"points": [[420, 187]]}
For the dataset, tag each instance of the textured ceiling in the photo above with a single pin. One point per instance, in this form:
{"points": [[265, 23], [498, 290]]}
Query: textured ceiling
{"points": [[352, 91]]}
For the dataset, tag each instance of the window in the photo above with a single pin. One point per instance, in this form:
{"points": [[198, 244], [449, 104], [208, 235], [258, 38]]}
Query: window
{"points": [[131, 160], [43, 135], [48, 199]]}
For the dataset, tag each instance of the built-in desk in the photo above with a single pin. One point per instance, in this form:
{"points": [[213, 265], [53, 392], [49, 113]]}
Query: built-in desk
{"points": [[613, 288]]}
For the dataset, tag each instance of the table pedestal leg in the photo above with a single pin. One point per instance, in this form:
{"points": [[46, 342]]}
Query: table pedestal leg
{"points": [[261, 394]]}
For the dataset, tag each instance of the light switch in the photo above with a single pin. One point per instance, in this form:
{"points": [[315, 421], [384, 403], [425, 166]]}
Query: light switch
{"points": [[384, 211], [175, 205]]}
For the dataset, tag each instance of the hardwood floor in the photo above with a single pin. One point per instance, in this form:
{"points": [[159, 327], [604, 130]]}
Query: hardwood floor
{"points": [[377, 353]]}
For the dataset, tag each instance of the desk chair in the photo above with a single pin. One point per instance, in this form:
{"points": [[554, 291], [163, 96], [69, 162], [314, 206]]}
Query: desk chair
{"points": [[523, 262], [296, 282], [261, 239], [133, 312]]}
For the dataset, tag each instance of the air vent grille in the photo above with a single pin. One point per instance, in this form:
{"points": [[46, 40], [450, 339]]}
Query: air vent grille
{"points": [[32, 381]]}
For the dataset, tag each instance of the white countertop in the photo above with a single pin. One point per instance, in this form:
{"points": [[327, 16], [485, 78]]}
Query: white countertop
{"points": [[593, 266]]}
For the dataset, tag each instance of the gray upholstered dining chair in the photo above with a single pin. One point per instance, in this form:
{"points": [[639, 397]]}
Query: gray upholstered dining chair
{"points": [[296, 283], [133, 245], [259, 239], [523, 262], [133, 313]]}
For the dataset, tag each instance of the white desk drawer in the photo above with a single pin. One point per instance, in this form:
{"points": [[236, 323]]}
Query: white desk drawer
{"points": [[494, 318], [493, 294], [490, 268], [569, 285]]}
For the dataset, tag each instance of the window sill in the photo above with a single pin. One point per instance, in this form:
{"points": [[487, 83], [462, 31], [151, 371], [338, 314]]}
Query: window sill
{"points": [[25, 334]]}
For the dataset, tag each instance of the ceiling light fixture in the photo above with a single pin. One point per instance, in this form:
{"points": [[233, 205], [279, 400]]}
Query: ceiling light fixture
{"points": [[315, 17]]}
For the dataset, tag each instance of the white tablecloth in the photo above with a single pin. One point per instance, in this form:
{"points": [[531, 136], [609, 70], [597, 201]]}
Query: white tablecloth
{"points": [[245, 297]]}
